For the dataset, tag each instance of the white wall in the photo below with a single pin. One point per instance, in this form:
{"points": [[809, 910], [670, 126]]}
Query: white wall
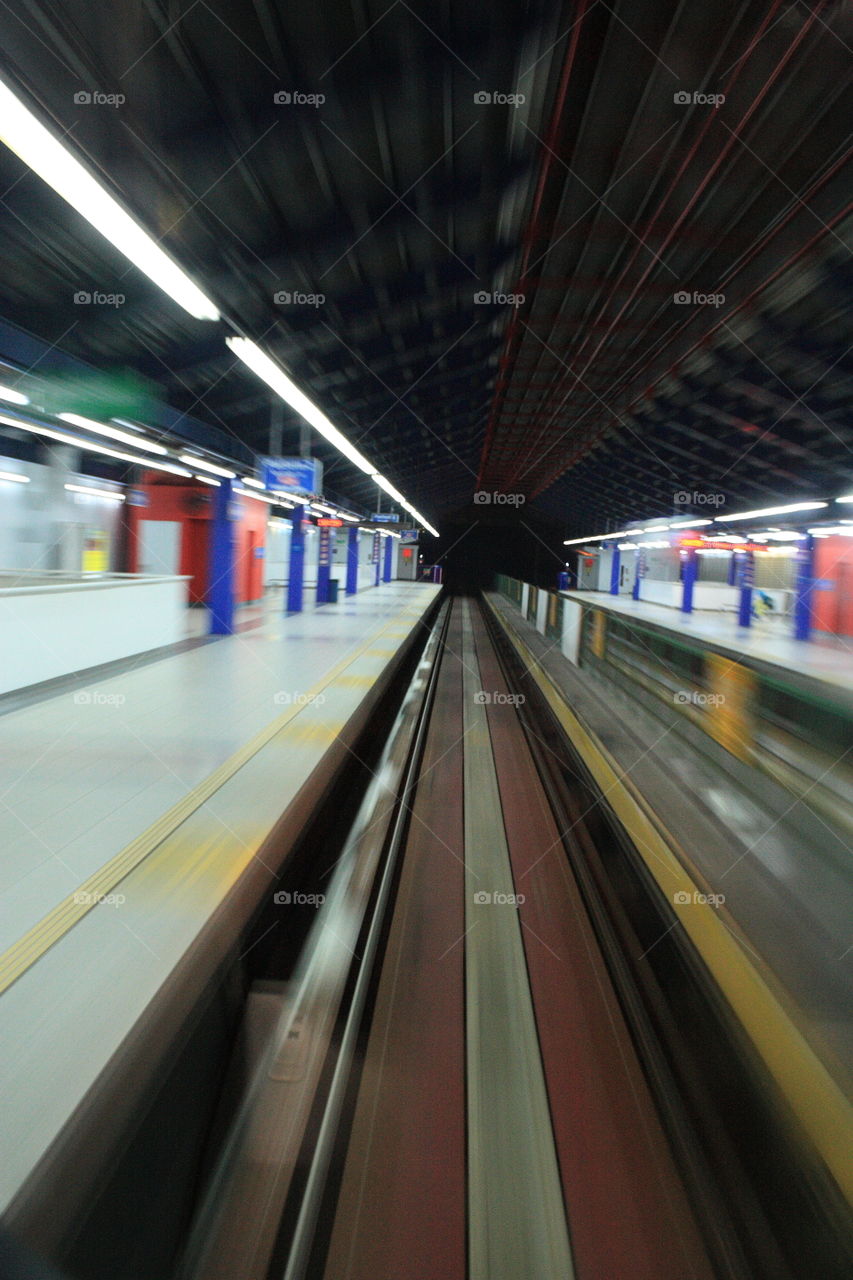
{"points": [[653, 592], [541, 611], [52, 631], [366, 569], [277, 558], [572, 617], [43, 525]]}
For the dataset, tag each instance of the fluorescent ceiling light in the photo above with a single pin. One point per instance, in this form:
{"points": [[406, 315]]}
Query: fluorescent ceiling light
{"points": [[18, 397], [656, 528], [200, 465], [89, 446], [596, 537], [207, 480], [91, 492], [252, 482], [772, 511], [124, 437], [275, 378], [393, 493], [287, 496], [837, 530], [690, 524], [24, 134], [14, 477], [848, 497], [259, 497]]}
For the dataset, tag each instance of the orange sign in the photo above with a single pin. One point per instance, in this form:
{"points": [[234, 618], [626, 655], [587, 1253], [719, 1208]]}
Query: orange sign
{"points": [[720, 544]]}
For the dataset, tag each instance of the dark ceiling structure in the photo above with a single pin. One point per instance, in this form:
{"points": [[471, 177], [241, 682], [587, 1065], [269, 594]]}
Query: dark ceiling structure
{"points": [[591, 254]]}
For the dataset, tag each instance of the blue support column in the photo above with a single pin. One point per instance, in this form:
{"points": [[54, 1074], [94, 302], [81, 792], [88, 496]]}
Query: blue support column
{"points": [[688, 580], [220, 580], [615, 564], [296, 575], [376, 549], [563, 581], [324, 571], [804, 587], [352, 560], [389, 552], [731, 575], [746, 578]]}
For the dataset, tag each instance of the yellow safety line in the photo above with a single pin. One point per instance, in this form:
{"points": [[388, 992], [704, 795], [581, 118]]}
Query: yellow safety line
{"points": [[32, 945], [812, 1093]]}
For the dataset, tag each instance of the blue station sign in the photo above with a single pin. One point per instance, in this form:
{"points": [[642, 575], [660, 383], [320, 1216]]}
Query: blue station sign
{"points": [[299, 475]]}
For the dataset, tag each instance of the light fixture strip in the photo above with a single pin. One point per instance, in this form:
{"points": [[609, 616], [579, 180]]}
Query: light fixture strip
{"points": [[53, 161]]}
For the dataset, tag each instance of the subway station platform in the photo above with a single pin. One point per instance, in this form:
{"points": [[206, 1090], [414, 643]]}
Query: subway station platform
{"points": [[823, 657], [151, 793]]}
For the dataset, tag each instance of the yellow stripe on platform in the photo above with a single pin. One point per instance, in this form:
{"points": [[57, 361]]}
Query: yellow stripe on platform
{"points": [[32, 945], [817, 1101]]}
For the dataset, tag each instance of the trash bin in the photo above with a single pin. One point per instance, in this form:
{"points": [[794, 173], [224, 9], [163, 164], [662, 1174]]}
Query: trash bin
{"points": [[333, 591]]}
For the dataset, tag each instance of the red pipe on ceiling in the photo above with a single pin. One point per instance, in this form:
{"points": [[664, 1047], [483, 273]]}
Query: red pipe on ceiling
{"points": [[513, 333], [776, 72]]}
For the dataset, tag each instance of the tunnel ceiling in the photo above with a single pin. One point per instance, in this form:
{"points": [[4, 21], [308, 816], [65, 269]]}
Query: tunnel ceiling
{"points": [[465, 232]]}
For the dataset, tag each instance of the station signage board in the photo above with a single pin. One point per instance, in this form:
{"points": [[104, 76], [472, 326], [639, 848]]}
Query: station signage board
{"points": [[294, 475], [385, 517], [329, 522], [720, 544]]}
